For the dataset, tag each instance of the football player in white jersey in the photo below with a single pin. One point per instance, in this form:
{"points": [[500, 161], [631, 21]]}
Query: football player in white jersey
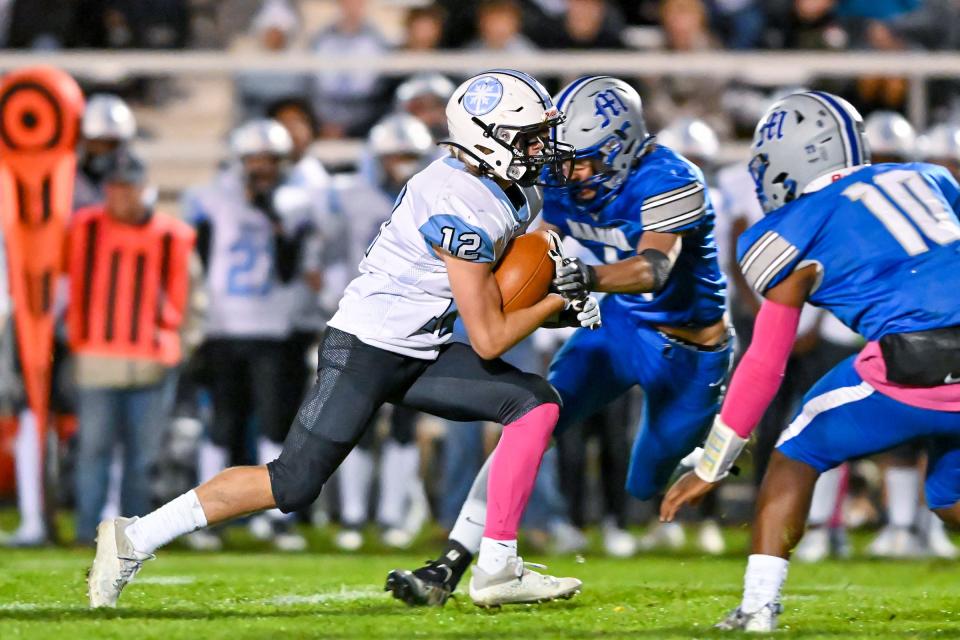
{"points": [[251, 228], [397, 147], [390, 342]]}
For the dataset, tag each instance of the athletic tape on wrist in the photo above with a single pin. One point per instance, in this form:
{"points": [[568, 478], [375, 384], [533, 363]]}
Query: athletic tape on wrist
{"points": [[720, 451]]}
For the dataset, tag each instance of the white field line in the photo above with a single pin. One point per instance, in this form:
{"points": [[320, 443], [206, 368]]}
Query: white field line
{"points": [[343, 595]]}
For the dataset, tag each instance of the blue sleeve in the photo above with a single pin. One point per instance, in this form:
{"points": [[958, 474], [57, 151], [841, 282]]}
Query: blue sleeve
{"points": [[946, 183], [554, 211], [768, 252], [672, 200], [458, 238]]}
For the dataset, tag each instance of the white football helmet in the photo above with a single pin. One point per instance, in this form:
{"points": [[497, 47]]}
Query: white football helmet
{"points": [[495, 115], [260, 136], [398, 134], [107, 117], [691, 137], [890, 134], [424, 84], [398, 146], [940, 143]]}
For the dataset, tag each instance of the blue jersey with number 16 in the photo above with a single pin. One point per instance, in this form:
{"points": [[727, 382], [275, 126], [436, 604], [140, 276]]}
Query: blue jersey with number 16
{"points": [[884, 238]]}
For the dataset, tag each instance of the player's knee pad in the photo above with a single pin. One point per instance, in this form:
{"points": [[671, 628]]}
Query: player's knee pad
{"points": [[530, 394], [307, 462]]}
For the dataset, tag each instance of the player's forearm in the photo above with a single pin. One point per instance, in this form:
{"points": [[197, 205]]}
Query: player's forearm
{"points": [[633, 275], [760, 372], [501, 331]]}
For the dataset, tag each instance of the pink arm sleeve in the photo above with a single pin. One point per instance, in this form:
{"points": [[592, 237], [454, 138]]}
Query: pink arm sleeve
{"points": [[757, 378]]}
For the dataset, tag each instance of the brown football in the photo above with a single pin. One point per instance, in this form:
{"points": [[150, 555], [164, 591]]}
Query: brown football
{"points": [[525, 271]]}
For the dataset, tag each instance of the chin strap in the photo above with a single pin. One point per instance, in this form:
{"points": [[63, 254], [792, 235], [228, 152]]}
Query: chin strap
{"points": [[720, 451]]}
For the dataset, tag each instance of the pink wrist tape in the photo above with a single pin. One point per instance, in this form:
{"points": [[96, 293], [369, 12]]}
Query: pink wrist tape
{"points": [[757, 377]]}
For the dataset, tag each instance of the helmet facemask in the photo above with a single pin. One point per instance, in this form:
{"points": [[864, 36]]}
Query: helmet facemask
{"points": [[551, 162]]}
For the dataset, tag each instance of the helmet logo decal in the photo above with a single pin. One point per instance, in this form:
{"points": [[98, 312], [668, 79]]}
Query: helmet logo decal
{"points": [[482, 96], [608, 105], [772, 128]]}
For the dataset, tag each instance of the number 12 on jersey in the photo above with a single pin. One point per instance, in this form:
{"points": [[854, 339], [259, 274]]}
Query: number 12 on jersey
{"points": [[902, 194]]}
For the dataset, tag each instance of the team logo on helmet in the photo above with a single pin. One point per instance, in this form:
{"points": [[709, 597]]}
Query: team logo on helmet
{"points": [[609, 105], [482, 96]]}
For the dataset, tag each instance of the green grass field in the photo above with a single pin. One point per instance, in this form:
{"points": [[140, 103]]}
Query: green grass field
{"points": [[251, 593]]}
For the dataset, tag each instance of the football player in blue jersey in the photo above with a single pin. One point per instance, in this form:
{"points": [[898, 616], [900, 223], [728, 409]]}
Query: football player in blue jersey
{"points": [[876, 245], [643, 210]]}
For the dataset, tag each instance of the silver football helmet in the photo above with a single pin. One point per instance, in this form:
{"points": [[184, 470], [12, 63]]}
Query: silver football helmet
{"points": [[940, 143], [107, 117], [604, 121], [261, 135], [398, 146], [801, 137], [691, 137], [890, 135]]}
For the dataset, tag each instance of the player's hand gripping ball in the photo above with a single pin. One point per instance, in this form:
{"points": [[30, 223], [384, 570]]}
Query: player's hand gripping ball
{"points": [[526, 270]]}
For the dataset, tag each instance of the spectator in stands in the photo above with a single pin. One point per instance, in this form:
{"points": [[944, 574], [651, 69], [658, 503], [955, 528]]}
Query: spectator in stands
{"points": [[499, 25], [685, 29], [349, 102], [274, 26], [588, 24], [740, 23], [685, 26], [811, 24], [876, 9], [108, 125], [129, 281], [933, 25], [423, 27], [35, 24]]}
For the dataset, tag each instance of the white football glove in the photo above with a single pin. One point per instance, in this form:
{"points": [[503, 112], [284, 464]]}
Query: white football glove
{"points": [[588, 312]]}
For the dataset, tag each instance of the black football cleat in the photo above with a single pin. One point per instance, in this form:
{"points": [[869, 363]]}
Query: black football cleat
{"points": [[428, 586]]}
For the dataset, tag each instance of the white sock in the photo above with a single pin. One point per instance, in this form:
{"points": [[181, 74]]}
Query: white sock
{"points": [[29, 475], [115, 480], [903, 490], [181, 515], [399, 466], [763, 580], [213, 460], [825, 497], [495, 553], [356, 475], [268, 451], [468, 529]]}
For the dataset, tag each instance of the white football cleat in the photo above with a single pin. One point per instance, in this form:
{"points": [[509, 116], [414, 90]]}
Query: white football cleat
{"points": [[516, 584], [261, 527], [664, 535], [762, 621], [348, 539], [814, 546], [939, 543], [567, 539], [895, 542], [710, 538], [115, 564], [397, 538], [203, 540], [617, 542]]}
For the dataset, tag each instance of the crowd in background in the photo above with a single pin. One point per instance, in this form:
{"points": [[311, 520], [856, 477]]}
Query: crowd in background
{"points": [[257, 258]]}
